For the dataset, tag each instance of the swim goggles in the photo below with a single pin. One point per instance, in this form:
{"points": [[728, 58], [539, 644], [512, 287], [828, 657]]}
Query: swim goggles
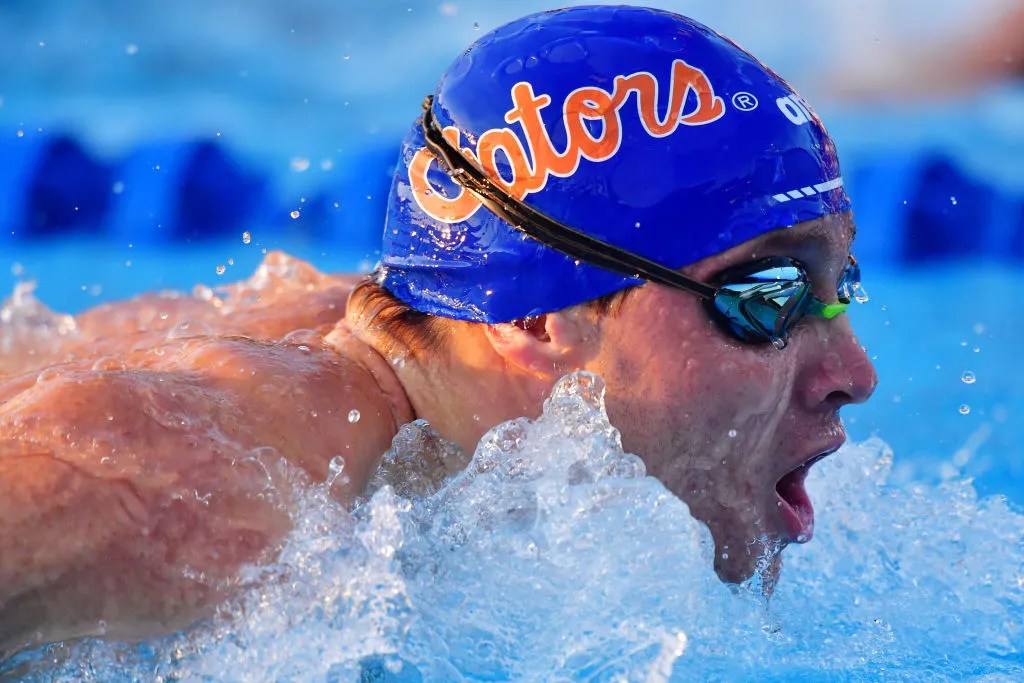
{"points": [[756, 302]]}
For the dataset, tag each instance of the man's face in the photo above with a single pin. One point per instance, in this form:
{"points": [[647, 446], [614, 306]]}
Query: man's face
{"points": [[728, 426]]}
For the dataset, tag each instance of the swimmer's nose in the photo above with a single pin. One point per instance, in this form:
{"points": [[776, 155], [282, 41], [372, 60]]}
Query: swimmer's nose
{"points": [[840, 372]]}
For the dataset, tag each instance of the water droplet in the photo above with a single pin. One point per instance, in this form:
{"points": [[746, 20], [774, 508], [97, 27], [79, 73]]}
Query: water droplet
{"points": [[346, 57], [302, 347], [964, 409], [186, 329], [295, 213], [860, 295], [732, 433], [353, 416], [476, 25], [48, 374], [336, 472], [221, 269], [968, 377], [246, 237]]}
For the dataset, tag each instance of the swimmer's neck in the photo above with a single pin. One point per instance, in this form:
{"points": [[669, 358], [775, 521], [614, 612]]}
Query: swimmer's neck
{"points": [[462, 389], [349, 344]]}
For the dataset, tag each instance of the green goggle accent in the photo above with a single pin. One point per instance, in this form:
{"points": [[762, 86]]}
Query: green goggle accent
{"points": [[827, 311]]}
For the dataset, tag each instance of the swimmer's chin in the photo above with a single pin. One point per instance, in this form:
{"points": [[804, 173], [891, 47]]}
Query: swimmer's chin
{"points": [[758, 573]]}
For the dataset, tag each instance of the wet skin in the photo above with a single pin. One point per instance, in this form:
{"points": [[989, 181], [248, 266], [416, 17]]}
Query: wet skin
{"points": [[134, 471], [720, 422], [140, 473]]}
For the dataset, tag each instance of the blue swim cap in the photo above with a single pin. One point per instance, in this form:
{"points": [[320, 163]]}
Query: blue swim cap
{"points": [[642, 128]]}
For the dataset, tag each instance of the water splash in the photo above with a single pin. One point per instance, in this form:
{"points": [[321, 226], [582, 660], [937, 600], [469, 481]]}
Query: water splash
{"points": [[28, 327], [552, 556]]}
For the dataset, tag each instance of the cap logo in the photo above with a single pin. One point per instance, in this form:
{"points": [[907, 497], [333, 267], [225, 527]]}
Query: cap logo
{"points": [[537, 160]]}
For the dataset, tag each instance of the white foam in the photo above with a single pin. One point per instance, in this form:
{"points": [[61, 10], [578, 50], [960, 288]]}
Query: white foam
{"points": [[553, 557]]}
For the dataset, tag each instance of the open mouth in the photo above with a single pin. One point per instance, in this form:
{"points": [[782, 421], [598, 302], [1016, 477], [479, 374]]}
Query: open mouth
{"points": [[795, 504]]}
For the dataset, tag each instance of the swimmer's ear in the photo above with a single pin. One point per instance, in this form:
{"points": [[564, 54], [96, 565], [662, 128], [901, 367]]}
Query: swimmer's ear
{"points": [[547, 345]]}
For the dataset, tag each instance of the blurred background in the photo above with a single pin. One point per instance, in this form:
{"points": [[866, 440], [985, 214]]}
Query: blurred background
{"points": [[153, 145]]}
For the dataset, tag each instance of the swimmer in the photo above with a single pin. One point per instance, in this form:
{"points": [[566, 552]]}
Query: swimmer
{"points": [[663, 211]]}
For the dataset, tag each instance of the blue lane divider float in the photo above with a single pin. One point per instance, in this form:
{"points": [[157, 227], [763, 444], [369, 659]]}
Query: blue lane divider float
{"points": [[49, 184], [182, 191], [912, 208]]}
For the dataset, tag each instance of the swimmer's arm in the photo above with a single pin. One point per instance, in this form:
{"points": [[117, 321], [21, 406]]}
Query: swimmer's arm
{"points": [[129, 499], [91, 544], [298, 297]]}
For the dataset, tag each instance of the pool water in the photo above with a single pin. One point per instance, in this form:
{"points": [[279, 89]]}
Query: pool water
{"points": [[553, 558]]}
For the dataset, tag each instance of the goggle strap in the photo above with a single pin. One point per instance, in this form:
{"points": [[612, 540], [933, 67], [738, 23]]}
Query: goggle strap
{"points": [[543, 228]]}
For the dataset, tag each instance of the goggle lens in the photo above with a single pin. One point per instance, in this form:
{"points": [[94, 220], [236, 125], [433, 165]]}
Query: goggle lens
{"points": [[759, 305], [760, 302]]}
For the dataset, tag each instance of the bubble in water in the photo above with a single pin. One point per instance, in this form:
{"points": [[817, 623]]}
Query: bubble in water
{"points": [[295, 213], [968, 377], [964, 409], [246, 237], [353, 416], [952, 200], [221, 269], [733, 433]]}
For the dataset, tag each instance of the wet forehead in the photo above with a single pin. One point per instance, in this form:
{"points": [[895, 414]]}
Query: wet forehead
{"points": [[823, 242], [824, 239]]}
